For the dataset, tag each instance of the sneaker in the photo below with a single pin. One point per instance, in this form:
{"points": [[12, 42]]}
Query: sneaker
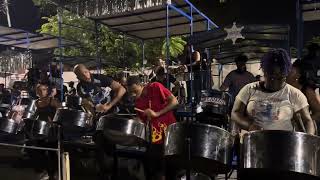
{"points": [[43, 175]]}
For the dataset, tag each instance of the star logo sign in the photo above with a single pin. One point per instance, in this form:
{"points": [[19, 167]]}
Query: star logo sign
{"points": [[234, 33]]}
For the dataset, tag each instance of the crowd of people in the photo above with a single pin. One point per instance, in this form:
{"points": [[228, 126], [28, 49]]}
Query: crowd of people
{"points": [[280, 100]]}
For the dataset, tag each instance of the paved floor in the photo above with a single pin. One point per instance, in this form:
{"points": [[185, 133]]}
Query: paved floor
{"points": [[14, 166]]}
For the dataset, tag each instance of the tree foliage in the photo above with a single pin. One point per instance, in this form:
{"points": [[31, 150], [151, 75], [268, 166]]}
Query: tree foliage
{"points": [[176, 46], [117, 49]]}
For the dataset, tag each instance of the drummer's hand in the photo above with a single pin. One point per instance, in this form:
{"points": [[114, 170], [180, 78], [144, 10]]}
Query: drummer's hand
{"points": [[254, 127], [103, 107], [150, 113]]}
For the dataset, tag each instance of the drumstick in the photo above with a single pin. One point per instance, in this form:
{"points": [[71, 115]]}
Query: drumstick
{"points": [[139, 110], [149, 118]]}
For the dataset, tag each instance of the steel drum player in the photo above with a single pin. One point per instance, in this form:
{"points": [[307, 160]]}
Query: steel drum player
{"points": [[303, 76], [46, 108], [91, 88], [154, 104], [271, 104]]}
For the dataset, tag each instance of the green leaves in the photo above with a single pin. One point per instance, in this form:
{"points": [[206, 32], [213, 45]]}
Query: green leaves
{"points": [[117, 49], [176, 46]]}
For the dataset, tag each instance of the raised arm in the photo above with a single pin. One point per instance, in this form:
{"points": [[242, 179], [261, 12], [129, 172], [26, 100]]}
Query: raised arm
{"points": [[119, 91]]}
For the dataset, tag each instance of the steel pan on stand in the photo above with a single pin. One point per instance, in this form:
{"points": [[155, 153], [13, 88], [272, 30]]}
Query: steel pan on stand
{"points": [[30, 109], [280, 155], [210, 147], [37, 129], [123, 129], [72, 120], [4, 109], [8, 126], [74, 123]]}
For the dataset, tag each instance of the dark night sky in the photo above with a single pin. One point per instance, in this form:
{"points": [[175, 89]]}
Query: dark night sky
{"points": [[26, 16]]}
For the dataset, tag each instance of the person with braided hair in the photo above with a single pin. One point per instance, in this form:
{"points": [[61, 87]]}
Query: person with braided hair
{"points": [[271, 104]]}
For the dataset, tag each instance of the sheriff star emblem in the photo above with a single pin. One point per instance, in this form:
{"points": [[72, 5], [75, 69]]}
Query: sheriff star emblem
{"points": [[234, 33]]}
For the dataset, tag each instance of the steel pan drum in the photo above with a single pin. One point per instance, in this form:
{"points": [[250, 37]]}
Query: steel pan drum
{"points": [[30, 109], [8, 126], [123, 130], [4, 109], [210, 147], [36, 128], [280, 155], [72, 119]]}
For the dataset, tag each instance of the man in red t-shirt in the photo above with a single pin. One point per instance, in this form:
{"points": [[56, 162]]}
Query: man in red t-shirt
{"points": [[156, 103]]}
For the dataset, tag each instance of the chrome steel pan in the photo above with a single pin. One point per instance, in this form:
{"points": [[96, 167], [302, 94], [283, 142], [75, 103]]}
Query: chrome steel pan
{"points": [[30, 109], [36, 128], [123, 129], [211, 147], [72, 119], [280, 155], [8, 126]]}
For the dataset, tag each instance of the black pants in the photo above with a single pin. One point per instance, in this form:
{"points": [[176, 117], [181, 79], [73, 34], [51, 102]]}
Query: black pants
{"points": [[103, 149], [155, 164], [44, 160], [196, 88]]}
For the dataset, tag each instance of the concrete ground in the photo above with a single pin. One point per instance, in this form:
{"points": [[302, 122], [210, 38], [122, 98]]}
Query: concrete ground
{"points": [[15, 166]]}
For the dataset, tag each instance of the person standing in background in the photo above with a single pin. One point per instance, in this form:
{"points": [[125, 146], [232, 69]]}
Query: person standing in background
{"points": [[238, 78]]}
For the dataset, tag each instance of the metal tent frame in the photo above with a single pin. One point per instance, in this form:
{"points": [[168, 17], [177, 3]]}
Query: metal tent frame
{"points": [[259, 39], [170, 18], [166, 18], [23, 39], [161, 19]]}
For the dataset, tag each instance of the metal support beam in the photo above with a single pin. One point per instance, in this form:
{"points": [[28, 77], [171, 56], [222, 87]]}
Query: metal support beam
{"points": [[60, 51], [97, 34], [7, 12], [167, 44], [143, 54], [179, 11], [299, 29], [198, 11]]}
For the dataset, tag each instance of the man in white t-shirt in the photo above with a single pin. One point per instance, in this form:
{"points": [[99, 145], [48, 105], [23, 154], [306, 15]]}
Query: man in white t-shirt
{"points": [[272, 103]]}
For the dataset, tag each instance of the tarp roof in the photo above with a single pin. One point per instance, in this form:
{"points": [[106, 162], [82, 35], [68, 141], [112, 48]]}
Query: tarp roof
{"points": [[259, 39], [150, 23], [144, 19], [310, 10], [43, 58], [26, 40]]}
